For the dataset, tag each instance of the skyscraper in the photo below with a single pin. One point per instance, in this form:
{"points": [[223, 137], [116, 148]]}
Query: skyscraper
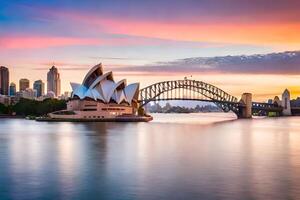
{"points": [[4, 80], [12, 89], [39, 86], [53, 81], [23, 84]]}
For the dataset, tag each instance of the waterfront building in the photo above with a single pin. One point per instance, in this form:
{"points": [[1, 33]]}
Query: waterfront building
{"points": [[286, 103], [5, 100], [65, 96], [12, 89], [18, 95], [53, 81], [23, 84], [4, 80], [270, 101], [29, 93], [295, 102], [39, 86], [49, 95], [99, 97]]}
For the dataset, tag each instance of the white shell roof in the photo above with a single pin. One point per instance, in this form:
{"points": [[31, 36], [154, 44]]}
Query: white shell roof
{"points": [[120, 96], [107, 89], [104, 88], [131, 91], [100, 78], [78, 90], [97, 70]]}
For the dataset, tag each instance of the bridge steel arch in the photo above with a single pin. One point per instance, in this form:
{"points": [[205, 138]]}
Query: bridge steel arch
{"points": [[189, 90]]}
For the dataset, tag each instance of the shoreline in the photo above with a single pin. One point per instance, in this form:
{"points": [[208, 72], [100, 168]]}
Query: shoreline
{"points": [[11, 117], [117, 119]]}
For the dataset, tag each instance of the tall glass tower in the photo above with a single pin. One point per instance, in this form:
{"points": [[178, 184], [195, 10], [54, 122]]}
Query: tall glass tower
{"points": [[12, 89], [39, 86], [53, 81], [4, 80]]}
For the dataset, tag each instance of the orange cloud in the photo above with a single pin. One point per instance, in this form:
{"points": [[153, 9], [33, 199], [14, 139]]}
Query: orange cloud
{"points": [[259, 33]]}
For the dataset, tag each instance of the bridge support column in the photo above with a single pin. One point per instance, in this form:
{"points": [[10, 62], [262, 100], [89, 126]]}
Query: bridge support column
{"points": [[245, 111], [286, 103]]}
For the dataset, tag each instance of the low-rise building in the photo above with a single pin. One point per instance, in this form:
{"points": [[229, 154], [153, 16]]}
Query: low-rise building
{"points": [[29, 93], [4, 99]]}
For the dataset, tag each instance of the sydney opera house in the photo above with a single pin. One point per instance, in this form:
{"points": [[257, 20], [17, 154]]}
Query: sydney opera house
{"points": [[100, 98]]}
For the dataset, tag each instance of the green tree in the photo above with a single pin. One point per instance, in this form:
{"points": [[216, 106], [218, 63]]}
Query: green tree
{"points": [[38, 108], [3, 109]]}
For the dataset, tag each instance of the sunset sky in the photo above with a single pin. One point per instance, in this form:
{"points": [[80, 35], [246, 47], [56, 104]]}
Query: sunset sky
{"points": [[147, 41]]}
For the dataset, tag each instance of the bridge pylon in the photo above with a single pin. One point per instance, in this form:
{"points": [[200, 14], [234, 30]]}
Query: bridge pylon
{"points": [[286, 103], [245, 108]]}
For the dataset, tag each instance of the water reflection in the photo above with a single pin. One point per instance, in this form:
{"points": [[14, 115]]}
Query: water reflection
{"points": [[242, 159]]}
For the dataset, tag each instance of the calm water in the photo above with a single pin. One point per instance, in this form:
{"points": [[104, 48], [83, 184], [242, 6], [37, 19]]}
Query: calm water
{"points": [[177, 156]]}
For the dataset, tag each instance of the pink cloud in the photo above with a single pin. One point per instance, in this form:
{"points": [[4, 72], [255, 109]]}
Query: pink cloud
{"points": [[33, 42], [36, 42]]}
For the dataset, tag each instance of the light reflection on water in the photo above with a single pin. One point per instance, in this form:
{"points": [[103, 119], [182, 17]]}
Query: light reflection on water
{"points": [[177, 156], [194, 118]]}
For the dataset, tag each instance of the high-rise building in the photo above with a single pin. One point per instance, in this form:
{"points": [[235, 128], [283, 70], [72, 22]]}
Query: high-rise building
{"points": [[39, 86], [23, 84], [4, 80], [12, 89], [53, 81]]}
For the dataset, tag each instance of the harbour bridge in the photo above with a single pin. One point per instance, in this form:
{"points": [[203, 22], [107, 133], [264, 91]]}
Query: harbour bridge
{"points": [[193, 90]]}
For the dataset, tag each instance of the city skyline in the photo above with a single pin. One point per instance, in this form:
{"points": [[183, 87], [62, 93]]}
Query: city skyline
{"points": [[145, 43], [9, 88]]}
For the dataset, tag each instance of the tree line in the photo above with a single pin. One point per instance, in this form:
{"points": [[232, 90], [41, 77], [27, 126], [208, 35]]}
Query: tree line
{"points": [[27, 107]]}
